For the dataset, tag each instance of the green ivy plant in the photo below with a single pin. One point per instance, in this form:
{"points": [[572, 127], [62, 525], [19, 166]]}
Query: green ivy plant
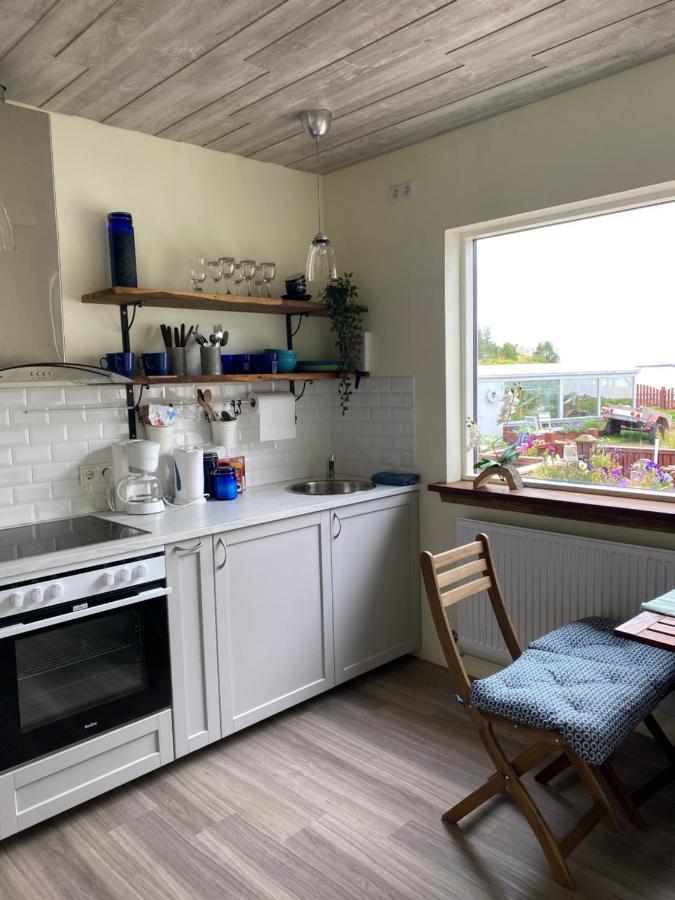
{"points": [[346, 323]]}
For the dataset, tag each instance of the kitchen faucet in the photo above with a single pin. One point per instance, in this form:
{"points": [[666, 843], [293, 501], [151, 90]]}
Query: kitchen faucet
{"points": [[331, 466]]}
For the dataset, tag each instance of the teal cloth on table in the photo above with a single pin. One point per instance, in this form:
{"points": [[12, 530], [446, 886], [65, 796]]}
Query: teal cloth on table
{"points": [[664, 605]]}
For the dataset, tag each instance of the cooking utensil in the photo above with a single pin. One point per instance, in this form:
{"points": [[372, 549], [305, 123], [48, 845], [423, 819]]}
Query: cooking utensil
{"points": [[176, 337], [208, 397]]}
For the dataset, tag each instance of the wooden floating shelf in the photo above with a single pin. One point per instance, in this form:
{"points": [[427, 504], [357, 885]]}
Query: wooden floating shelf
{"points": [[238, 379], [127, 296]]}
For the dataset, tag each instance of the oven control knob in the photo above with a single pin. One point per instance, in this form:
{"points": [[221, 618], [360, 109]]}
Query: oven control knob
{"points": [[36, 595], [141, 571], [124, 575], [55, 591], [107, 579], [16, 600]]}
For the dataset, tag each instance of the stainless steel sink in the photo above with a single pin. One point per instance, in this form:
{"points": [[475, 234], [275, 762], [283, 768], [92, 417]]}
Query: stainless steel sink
{"points": [[331, 486]]}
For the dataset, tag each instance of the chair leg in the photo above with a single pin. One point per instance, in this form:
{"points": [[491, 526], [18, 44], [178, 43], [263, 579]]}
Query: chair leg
{"points": [[594, 788], [554, 768], [538, 824], [623, 797], [495, 783]]}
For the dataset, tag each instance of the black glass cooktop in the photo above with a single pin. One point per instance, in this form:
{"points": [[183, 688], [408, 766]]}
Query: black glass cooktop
{"points": [[61, 534]]}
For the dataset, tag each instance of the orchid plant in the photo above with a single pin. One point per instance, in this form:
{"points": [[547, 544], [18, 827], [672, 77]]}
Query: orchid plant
{"points": [[501, 454]]}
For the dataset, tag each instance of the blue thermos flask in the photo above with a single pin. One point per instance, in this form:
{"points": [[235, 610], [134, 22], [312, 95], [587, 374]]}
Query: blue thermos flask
{"points": [[122, 249]]}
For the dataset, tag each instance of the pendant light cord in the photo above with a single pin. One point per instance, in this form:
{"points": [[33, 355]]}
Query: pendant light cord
{"points": [[318, 182]]}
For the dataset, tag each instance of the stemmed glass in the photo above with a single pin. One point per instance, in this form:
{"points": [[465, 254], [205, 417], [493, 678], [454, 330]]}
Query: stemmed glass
{"points": [[197, 272], [227, 268], [215, 271], [237, 277], [269, 271], [248, 268]]}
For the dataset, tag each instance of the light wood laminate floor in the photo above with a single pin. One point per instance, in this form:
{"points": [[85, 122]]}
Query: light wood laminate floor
{"points": [[338, 798]]}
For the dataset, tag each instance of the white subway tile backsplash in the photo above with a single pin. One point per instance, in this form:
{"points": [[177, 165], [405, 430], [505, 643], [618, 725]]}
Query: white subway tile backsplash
{"points": [[41, 452], [11, 475], [10, 437], [89, 431], [47, 434]]}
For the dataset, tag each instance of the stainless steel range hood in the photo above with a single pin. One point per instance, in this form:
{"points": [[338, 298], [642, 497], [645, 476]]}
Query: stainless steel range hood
{"points": [[58, 375]]}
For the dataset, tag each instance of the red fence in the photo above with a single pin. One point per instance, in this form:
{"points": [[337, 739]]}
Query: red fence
{"points": [[662, 398], [627, 456]]}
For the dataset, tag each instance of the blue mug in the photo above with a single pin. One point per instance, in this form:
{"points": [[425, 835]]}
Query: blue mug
{"points": [[122, 363], [154, 363]]}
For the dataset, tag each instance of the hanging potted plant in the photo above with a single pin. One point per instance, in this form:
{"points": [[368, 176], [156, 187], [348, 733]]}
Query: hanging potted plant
{"points": [[346, 323]]}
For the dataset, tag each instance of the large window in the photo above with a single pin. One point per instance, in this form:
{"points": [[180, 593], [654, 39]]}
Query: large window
{"points": [[574, 351]]}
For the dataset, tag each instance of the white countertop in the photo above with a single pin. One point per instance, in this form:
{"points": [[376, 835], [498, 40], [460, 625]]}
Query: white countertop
{"points": [[266, 503]]}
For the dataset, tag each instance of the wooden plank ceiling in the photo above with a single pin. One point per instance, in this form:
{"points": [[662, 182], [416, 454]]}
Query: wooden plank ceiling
{"points": [[233, 75]]}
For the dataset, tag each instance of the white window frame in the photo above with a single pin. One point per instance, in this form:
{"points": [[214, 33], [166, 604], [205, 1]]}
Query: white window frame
{"points": [[465, 238]]}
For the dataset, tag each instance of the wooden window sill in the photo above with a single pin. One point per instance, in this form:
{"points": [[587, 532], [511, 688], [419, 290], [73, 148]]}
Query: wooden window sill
{"points": [[629, 512]]}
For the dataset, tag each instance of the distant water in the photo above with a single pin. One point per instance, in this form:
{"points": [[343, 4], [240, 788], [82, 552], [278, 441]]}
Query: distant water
{"points": [[657, 376]]}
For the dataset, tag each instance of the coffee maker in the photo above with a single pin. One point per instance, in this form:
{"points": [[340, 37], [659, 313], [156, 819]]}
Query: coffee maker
{"points": [[137, 489]]}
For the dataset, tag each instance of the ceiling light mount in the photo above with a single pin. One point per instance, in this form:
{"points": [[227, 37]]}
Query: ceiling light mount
{"points": [[316, 122]]}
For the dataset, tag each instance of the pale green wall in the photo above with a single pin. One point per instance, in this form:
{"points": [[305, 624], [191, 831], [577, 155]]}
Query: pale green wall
{"points": [[614, 135]]}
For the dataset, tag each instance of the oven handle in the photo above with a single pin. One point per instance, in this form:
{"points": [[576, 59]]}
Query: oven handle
{"points": [[16, 630]]}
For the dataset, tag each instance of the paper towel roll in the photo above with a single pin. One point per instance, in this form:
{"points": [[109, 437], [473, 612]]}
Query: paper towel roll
{"points": [[276, 414]]}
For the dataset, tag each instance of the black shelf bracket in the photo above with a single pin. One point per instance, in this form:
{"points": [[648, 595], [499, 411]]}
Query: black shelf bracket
{"points": [[126, 348]]}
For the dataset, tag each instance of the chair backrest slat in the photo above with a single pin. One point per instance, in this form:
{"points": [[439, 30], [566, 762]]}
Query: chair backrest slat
{"points": [[442, 594], [449, 557], [467, 590], [452, 576]]}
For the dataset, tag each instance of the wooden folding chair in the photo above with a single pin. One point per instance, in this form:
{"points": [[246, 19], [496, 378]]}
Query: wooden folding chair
{"points": [[449, 577]]}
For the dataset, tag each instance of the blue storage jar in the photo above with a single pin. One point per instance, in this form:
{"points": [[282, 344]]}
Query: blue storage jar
{"points": [[122, 250], [223, 483]]}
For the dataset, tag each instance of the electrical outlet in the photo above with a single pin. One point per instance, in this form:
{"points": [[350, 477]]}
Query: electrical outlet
{"points": [[95, 474], [403, 191]]}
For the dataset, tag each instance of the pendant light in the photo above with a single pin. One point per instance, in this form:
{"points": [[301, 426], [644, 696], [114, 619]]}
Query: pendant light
{"points": [[321, 266], [6, 233]]}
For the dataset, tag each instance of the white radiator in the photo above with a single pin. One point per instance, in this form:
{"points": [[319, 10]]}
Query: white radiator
{"points": [[548, 579]]}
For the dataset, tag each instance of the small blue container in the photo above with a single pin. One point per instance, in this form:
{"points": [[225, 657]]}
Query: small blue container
{"points": [[122, 363], [154, 363], [228, 363], [245, 363], [223, 483], [267, 363]]}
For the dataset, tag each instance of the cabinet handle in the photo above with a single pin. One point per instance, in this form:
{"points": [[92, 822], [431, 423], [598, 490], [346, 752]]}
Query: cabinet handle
{"points": [[336, 518], [197, 546], [221, 543]]}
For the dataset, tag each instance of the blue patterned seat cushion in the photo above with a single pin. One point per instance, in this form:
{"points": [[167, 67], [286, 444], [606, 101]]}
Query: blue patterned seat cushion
{"points": [[594, 705], [594, 639]]}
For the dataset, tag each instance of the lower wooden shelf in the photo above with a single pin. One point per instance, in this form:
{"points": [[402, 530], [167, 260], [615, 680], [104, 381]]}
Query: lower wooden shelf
{"points": [[224, 379]]}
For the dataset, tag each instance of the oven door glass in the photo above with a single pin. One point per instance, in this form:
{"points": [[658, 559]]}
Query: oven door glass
{"points": [[79, 666], [72, 680]]}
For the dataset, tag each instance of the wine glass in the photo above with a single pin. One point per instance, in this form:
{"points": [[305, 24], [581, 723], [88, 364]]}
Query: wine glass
{"points": [[237, 277], [197, 272], [269, 271], [227, 268], [248, 268], [215, 271]]}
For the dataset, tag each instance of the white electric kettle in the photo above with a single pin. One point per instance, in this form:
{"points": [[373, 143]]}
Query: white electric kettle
{"points": [[189, 475]]}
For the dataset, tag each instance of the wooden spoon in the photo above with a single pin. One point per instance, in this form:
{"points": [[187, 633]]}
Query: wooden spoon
{"points": [[208, 397]]}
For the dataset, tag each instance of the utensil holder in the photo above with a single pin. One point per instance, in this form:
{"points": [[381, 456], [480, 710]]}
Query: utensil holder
{"points": [[176, 360], [224, 434], [211, 363]]}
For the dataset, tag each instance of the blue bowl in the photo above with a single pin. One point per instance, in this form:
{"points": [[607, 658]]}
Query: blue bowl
{"points": [[286, 364]]}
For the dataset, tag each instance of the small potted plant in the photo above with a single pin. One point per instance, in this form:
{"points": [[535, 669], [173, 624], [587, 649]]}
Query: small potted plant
{"points": [[501, 458], [346, 323]]}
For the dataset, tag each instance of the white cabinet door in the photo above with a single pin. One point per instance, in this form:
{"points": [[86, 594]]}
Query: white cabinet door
{"points": [[192, 632], [273, 608], [376, 606]]}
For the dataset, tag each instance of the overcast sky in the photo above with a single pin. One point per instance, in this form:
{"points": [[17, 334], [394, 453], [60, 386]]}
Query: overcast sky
{"points": [[602, 289]]}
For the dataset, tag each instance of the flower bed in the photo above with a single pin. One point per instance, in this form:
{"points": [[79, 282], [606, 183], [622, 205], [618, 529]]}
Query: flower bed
{"points": [[644, 474]]}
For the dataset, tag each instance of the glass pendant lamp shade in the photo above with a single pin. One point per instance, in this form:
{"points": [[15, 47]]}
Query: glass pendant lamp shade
{"points": [[6, 233], [321, 267]]}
